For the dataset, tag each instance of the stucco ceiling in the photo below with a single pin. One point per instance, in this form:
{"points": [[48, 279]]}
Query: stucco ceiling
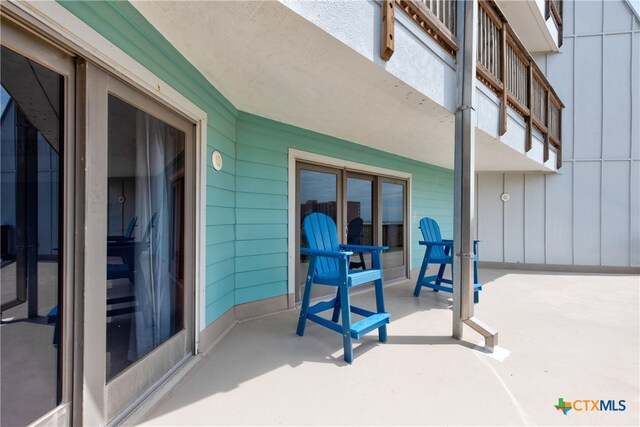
{"points": [[269, 61]]}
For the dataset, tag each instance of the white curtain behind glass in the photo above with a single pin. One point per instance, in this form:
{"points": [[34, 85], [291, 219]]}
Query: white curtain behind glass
{"points": [[155, 147]]}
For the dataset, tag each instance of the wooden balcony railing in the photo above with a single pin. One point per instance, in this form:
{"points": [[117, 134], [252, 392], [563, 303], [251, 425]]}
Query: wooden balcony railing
{"points": [[504, 64], [520, 84], [436, 17], [553, 8]]}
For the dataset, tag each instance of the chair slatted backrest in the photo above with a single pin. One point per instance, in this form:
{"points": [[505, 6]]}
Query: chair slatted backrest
{"points": [[431, 233], [129, 233], [321, 234], [354, 231]]}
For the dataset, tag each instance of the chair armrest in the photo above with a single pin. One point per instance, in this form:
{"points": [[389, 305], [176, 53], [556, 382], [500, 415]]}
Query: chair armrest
{"points": [[447, 240], [443, 243], [328, 254], [364, 248]]}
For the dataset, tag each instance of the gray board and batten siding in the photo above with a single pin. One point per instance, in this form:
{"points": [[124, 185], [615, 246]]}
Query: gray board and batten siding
{"points": [[587, 216]]}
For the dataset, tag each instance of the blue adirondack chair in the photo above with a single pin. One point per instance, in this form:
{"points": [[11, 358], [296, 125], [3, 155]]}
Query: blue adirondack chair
{"points": [[329, 266], [438, 251], [118, 246]]}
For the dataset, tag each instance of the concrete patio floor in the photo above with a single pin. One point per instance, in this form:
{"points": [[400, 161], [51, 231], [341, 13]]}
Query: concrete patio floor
{"points": [[570, 336]]}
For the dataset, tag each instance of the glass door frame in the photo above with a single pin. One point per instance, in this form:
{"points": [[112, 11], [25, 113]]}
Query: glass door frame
{"points": [[127, 389], [405, 268], [298, 159], [17, 38]]}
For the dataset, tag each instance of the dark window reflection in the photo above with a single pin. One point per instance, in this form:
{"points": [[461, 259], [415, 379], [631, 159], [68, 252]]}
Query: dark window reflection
{"points": [[360, 219], [318, 194], [145, 286], [31, 117], [393, 224]]}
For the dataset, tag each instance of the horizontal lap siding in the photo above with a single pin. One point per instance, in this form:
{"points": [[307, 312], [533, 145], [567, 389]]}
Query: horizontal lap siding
{"points": [[262, 198], [125, 27]]}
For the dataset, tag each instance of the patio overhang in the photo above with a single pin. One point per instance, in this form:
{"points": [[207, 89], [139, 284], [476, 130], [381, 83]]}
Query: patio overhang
{"points": [[269, 60]]}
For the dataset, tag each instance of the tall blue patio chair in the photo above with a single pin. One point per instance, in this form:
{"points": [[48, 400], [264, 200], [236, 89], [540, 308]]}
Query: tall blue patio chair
{"points": [[439, 252], [329, 266]]}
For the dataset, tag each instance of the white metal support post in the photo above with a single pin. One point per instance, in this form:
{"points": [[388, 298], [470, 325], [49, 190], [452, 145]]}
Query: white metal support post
{"points": [[464, 177]]}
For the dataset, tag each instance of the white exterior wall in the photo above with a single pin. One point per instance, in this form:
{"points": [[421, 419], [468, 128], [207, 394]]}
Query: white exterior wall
{"points": [[417, 60], [588, 214]]}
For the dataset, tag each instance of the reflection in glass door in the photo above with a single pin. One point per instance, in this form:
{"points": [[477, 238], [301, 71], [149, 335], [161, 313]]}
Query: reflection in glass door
{"points": [[32, 107], [393, 230], [360, 217], [318, 190]]}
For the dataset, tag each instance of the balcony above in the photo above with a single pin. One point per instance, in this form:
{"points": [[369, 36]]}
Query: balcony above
{"points": [[538, 23], [320, 66]]}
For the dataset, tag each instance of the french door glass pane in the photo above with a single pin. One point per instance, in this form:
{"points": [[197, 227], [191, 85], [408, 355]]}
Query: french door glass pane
{"points": [[145, 244], [393, 224], [360, 219], [318, 193], [31, 118]]}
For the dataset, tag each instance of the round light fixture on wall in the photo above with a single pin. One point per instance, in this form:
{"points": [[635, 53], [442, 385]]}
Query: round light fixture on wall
{"points": [[505, 197], [216, 159]]}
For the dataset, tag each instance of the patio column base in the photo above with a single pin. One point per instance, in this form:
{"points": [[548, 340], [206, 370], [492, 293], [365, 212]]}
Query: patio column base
{"points": [[490, 335]]}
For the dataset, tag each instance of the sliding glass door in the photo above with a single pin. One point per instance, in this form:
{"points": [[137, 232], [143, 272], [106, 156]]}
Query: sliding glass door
{"points": [[35, 343], [141, 157]]}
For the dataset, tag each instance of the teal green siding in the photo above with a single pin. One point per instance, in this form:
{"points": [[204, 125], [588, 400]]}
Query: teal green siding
{"points": [[246, 234], [262, 203]]}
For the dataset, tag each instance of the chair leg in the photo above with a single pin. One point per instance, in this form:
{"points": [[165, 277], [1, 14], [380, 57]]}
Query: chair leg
{"points": [[423, 271], [346, 323], [305, 306], [336, 308], [476, 297], [382, 330], [440, 274]]}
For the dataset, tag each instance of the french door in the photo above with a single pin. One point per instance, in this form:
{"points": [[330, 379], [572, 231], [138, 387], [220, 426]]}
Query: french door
{"points": [[140, 189], [367, 209]]}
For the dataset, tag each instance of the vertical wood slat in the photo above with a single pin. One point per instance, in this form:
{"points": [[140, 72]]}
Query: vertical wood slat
{"points": [[503, 78], [444, 10], [387, 43], [559, 148], [529, 131], [546, 123]]}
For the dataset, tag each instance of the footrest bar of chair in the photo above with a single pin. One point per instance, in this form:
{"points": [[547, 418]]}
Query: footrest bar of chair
{"points": [[439, 287], [426, 280], [476, 287], [322, 306], [324, 322], [368, 324], [362, 311]]}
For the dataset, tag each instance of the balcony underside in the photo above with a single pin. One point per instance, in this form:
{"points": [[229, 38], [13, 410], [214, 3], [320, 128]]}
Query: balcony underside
{"points": [[527, 19], [270, 61]]}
